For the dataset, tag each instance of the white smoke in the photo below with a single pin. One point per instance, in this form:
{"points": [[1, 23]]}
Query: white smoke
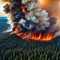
{"points": [[36, 15]]}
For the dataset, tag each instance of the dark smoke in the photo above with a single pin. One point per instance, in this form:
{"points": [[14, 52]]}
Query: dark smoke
{"points": [[35, 20]]}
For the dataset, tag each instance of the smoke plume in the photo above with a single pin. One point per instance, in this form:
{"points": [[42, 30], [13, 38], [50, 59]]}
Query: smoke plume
{"points": [[29, 17]]}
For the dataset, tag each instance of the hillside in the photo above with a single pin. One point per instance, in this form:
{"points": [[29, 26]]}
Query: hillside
{"points": [[14, 48]]}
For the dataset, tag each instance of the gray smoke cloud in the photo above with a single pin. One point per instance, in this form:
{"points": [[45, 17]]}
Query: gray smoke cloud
{"points": [[35, 20]]}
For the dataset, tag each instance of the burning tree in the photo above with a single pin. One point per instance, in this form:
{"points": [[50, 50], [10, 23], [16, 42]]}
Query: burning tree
{"points": [[30, 21]]}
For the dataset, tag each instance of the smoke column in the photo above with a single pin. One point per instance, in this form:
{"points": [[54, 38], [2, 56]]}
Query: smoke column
{"points": [[29, 17]]}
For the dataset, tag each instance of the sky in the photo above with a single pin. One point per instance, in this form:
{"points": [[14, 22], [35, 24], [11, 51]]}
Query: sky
{"points": [[2, 13]]}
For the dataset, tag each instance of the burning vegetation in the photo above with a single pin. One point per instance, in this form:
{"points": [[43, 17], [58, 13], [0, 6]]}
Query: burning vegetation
{"points": [[30, 21]]}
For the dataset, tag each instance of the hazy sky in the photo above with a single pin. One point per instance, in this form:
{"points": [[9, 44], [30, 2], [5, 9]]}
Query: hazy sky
{"points": [[49, 5]]}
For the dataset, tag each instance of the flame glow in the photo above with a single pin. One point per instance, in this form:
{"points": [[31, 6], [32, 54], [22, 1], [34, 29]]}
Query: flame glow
{"points": [[33, 37], [48, 37]]}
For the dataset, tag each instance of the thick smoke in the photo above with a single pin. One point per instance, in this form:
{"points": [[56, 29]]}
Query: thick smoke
{"points": [[35, 20]]}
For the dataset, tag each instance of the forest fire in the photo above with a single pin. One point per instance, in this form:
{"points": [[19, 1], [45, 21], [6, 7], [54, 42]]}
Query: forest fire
{"points": [[33, 37], [31, 21], [46, 38]]}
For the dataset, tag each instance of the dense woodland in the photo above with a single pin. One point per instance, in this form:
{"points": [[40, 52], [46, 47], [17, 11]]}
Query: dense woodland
{"points": [[14, 48]]}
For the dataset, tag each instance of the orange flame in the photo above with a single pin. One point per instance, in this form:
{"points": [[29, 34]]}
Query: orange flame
{"points": [[23, 9], [33, 37], [47, 37]]}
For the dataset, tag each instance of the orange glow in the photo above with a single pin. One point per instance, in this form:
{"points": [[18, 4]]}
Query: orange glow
{"points": [[47, 37], [33, 37], [5, 1], [43, 2], [23, 9]]}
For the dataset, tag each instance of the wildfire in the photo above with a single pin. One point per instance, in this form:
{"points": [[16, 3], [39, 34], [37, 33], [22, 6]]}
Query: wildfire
{"points": [[30, 35], [33, 37], [48, 37]]}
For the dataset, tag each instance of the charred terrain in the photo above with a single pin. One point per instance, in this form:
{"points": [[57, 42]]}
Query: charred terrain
{"points": [[14, 48]]}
